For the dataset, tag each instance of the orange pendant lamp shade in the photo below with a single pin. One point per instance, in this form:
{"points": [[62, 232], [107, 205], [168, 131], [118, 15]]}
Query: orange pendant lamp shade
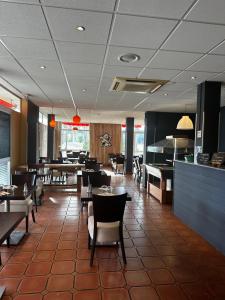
{"points": [[52, 123], [76, 119]]}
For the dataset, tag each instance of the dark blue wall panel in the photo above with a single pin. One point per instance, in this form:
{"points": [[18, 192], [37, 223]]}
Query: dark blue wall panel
{"points": [[199, 200]]}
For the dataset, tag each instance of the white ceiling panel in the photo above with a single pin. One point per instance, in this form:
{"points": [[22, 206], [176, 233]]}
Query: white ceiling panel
{"points": [[158, 8], [220, 49], [186, 76], [3, 51], [30, 48], [164, 74], [53, 70], [141, 32], [177, 87], [115, 52], [79, 70], [119, 71], [63, 23], [100, 5], [195, 37], [208, 11], [22, 20], [23, 1], [173, 60], [210, 63], [81, 53], [219, 77]]}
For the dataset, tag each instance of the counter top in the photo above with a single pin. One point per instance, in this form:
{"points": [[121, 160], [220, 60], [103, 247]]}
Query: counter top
{"points": [[201, 165]]}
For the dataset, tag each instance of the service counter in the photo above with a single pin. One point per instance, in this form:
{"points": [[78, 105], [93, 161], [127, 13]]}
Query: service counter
{"points": [[199, 200]]}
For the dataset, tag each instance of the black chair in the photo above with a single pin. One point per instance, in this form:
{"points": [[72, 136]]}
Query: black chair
{"points": [[82, 158], [138, 170], [118, 164], [27, 204], [92, 164], [106, 225], [96, 179]]}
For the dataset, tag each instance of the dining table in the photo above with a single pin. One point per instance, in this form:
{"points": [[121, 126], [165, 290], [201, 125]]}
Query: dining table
{"points": [[86, 195], [20, 194]]}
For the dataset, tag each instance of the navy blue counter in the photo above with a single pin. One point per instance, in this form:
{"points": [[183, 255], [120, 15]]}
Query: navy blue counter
{"points": [[199, 200]]}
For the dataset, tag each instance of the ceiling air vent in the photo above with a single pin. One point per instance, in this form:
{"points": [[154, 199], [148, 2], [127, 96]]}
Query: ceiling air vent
{"points": [[136, 85]]}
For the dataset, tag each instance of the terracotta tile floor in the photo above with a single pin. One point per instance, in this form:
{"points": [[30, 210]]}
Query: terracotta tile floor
{"points": [[165, 259]]}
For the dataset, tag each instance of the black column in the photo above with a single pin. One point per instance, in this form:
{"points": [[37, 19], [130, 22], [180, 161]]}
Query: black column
{"points": [[50, 148], [32, 132], [129, 142], [208, 109]]}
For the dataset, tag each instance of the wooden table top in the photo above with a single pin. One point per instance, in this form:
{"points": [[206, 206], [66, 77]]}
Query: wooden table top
{"points": [[8, 222], [17, 194], [85, 196]]}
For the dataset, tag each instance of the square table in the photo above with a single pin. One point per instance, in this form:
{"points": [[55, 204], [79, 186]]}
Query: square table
{"points": [[16, 194], [86, 197]]}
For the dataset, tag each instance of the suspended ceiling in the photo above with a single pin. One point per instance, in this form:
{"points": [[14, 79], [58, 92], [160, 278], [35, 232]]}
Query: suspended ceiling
{"points": [[177, 40]]}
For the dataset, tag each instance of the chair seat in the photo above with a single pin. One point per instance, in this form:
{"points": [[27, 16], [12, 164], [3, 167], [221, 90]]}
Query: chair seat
{"points": [[107, 232]]}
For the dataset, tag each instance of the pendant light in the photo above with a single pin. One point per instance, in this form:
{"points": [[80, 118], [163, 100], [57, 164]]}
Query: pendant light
{"points": [[185, 123], [52, 123], [76, 118]]}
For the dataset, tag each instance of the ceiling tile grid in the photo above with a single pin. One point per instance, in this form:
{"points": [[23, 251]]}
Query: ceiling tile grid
{"points": [[178, 40]]}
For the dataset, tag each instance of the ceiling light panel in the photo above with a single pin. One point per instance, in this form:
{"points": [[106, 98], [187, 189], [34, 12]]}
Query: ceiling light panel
{"points": [[22, 20], [98, 5], [114, 52], [30, 48], [157, 8], [81, 53], [133, 31], [208, 11], [173, 60], [195, 37], [63, 22]]}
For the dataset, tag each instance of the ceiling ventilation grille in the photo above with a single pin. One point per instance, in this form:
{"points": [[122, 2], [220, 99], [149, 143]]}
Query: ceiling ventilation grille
{"points": [[122, 84]]}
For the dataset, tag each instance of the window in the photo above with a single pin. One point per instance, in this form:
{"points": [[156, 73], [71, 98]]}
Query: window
{"points": [[138, 140], [75, 140], [43, 119]]}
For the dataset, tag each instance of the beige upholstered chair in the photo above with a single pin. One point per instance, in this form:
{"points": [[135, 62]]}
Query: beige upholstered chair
{"points": [[106, 224]]}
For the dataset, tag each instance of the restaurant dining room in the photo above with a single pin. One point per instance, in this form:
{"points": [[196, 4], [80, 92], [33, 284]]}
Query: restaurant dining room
{"points": [[112, 150]]}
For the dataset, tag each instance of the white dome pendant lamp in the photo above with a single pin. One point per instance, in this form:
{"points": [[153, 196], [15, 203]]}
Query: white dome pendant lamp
{"points": [[185, 123]]}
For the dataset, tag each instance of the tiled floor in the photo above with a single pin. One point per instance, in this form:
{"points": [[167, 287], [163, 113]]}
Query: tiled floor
{"points": [[166, 260]]}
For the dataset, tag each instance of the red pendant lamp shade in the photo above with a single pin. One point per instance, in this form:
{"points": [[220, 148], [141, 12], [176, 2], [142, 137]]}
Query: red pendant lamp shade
{"points": [[52, 123], [76, 119]]}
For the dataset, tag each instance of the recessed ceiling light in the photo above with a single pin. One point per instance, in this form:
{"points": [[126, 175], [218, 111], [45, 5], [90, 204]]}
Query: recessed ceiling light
{"points": [[193, 77], [129, 57], [43, 67], [84, 90], [80, 28], [165, 94]]}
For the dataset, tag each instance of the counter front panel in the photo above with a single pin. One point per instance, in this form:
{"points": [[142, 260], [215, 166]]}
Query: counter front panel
{"points": [[199, 200]]}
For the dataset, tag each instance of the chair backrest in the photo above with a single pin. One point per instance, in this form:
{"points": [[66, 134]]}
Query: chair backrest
{"points": [[91, 175], [92, 164], [43, 159], [29, 178], [120, 160], [109, 208], [100, 180], [82, 158]]}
